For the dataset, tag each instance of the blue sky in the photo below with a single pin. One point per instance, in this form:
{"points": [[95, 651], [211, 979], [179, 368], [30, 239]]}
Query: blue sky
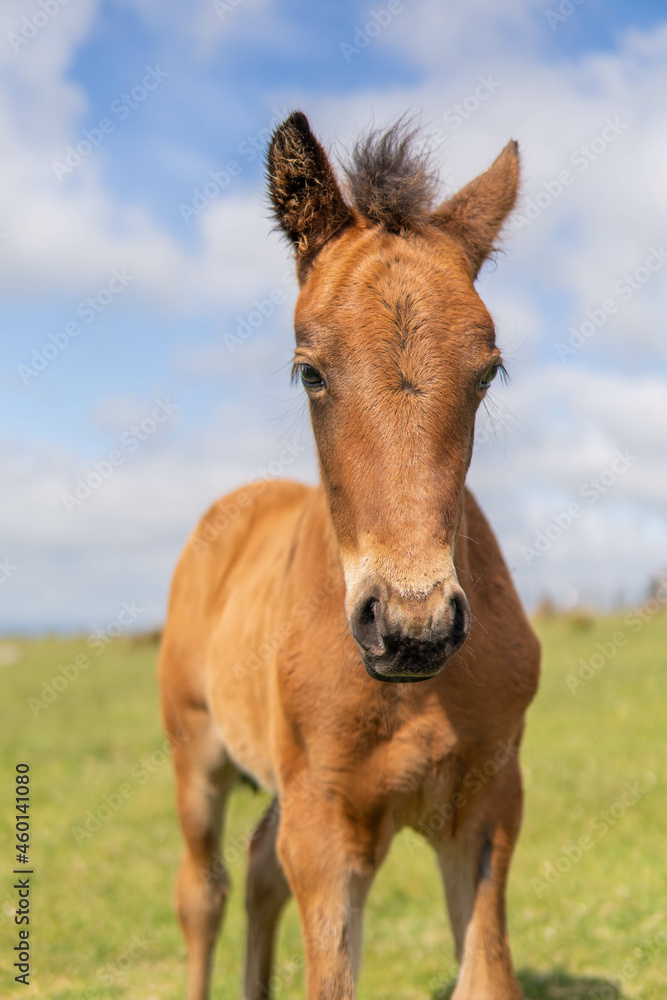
{"points": [[218, 78]]}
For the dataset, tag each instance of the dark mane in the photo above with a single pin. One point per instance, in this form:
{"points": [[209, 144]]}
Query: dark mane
{"points": [[389, 180]]}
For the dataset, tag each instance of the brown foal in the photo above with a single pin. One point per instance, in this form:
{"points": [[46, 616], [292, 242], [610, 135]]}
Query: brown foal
{"points": [[301, 618]]}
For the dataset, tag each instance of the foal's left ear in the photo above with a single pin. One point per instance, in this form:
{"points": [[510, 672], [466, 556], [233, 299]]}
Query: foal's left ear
{"points": [[305, 195], [476, 214]]}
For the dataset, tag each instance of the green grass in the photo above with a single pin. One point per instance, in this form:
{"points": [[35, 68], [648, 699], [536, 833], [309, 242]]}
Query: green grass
{"points": [[102, 920]]}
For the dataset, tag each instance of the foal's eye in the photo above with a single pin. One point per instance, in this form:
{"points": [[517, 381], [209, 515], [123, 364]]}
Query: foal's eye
{"points": [[489, 376], [310, 377]]}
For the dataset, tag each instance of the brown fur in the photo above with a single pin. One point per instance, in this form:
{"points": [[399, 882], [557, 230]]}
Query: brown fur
{"points": [[389, 182], [263, 656]]}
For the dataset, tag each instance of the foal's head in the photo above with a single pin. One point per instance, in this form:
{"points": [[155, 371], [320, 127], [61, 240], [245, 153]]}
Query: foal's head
{"points": [[395, 350]]}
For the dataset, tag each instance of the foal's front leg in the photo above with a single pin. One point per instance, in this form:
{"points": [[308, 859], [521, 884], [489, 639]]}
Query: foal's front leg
{"points": [[475, 864], [330, 864]]}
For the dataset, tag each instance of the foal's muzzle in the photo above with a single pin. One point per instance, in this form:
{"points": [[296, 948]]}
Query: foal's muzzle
{"points": [[409, 640]]}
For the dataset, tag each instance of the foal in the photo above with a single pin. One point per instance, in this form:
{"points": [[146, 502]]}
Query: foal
{"points": [[301, 618]]}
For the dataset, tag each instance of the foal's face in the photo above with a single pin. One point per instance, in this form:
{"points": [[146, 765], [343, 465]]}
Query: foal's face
{"points": [[396, 351]]}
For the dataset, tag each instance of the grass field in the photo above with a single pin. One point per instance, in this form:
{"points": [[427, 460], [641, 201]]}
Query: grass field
{"points": [[102, 924]]}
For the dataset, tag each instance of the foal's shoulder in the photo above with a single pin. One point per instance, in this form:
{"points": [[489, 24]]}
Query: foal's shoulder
{"points": [[505, 630], [478, 531], [256, 499], [483, 560]]}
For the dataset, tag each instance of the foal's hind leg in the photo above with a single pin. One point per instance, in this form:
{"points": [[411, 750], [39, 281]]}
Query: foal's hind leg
{"points": [[475, 864], [266, 894], [204, 778]]}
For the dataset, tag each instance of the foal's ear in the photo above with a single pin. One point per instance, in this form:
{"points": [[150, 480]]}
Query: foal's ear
{"points": [[305, 195], [476, 214]]}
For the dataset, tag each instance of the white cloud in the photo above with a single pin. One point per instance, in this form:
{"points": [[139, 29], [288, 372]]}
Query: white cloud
{"points": [[65, 236], [72, 234], [77, 560], [566, 419], [612, 213], [579, 422]]}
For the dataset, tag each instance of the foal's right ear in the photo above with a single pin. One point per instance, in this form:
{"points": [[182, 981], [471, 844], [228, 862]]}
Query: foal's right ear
{"points": [[304, 193]]}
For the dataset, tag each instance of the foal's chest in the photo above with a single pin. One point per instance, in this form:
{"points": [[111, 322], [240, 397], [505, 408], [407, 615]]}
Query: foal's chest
{"points": [[409, 753]]}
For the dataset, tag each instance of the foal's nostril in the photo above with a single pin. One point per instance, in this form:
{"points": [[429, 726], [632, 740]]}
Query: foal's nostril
{"points": [[368, 625], [367, 611], [460, 620]]}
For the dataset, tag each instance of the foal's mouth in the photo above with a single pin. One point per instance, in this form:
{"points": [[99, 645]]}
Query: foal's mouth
{"points": [[407, 663], [407, 678]]}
